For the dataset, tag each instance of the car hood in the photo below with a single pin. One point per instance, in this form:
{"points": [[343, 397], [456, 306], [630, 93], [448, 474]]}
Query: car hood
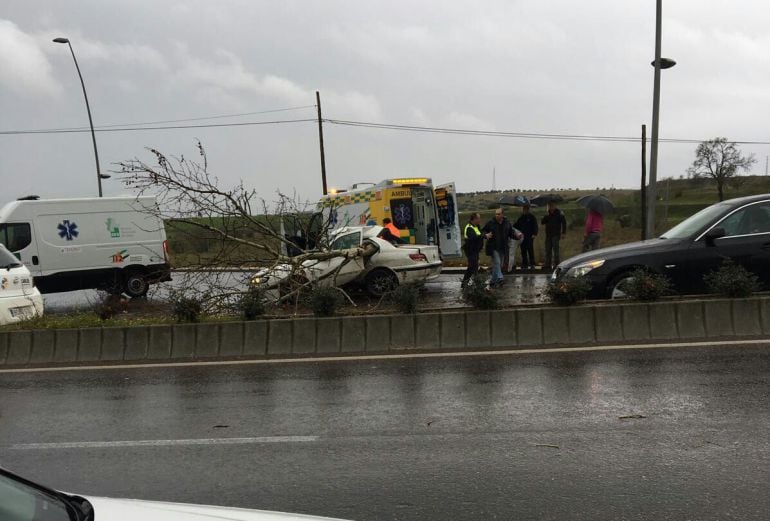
{"points": [[649, 246], [131, 510]]}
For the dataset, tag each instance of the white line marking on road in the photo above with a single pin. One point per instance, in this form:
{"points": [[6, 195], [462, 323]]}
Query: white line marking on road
{"points": [[161, 443], [400, 356]]}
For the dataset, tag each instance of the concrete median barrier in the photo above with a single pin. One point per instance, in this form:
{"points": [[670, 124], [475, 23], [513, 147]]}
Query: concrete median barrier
{"points": [[525, 327]]}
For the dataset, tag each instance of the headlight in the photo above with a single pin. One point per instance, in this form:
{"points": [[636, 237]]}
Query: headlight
{"points": [[582, 269], [259, 279]]}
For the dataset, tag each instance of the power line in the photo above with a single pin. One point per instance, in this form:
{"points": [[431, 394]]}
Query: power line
{"points": [[173, 127], [522, 135], [118, 125]]}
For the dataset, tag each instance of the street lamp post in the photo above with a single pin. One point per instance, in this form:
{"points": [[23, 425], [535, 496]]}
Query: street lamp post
{"points": [[659, 63], [99, 175]]}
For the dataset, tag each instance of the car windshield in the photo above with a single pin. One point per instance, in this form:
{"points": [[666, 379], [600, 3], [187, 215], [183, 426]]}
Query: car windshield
{"points": [[21, 502], [7, 260], [697, 222]]}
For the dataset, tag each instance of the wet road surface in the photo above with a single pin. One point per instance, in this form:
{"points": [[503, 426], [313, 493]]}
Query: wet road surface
{"points": [[444, 292], [646, 434]]}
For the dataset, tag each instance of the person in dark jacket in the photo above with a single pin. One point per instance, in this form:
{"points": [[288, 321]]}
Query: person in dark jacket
{"points": [[474, 241], [527, 225], [497, 232], [555, 229]]}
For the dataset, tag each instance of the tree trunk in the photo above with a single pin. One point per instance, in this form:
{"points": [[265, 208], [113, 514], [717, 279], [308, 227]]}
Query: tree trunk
{"points": [[720, 190]]}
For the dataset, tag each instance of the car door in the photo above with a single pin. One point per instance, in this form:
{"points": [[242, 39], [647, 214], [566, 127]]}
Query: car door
{"points": [[449, 235], [746, 241], [338, 271]]}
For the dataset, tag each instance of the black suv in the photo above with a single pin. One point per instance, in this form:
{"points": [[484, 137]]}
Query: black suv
{"points": [[738, 229]]}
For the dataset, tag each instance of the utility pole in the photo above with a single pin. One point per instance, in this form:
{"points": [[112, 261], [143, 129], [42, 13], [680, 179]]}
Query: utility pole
{"points": [[321, 142], [643, 192], [659, 63], [494, 180], [766, 157]]}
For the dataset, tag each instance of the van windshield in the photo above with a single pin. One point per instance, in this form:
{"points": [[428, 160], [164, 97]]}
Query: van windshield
{"points": [[7, 260]]}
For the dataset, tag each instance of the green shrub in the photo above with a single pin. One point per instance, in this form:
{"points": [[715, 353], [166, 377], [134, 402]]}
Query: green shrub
{"points": [[646, 286], [406, 296], [479, 295], [187, 309], [567, 291], [252, 303], [324, 300], [731, 280]]}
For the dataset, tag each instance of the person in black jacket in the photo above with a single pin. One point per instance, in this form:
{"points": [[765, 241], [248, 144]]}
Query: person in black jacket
{"points": [[474, 241], [527, 225], [555, 229], [497, 232]]}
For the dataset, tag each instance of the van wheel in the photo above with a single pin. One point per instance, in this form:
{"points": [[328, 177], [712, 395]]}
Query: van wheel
{"points": [[380, 282], [136, 285]]}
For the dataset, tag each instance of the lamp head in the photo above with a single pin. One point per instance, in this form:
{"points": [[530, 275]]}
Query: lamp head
{"points": [[61, 40]]}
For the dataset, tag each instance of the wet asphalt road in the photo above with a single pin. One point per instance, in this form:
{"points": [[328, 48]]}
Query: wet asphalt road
{"points": [[643, 434], [444, 292]]}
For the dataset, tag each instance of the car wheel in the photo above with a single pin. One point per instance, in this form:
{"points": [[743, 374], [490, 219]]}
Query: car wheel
{"points": [[136, 284], [380, 282], [613, 288]]}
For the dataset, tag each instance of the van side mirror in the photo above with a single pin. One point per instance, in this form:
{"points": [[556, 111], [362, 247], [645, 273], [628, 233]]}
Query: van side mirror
{"points": [[714, 234]]}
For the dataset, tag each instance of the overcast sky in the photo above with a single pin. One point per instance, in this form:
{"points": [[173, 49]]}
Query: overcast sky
{"points": [[536, 66]]}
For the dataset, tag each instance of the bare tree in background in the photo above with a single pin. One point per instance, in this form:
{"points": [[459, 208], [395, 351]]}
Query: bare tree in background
{"points": [[720, 160], [216, 227]]}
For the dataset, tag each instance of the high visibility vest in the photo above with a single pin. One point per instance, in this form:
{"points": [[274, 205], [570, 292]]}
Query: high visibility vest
{"points": [[393, 229], [472, 227]]}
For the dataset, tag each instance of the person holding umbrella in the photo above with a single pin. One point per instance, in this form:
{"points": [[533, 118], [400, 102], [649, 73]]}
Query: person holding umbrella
{"points": [[527, 225], [555, 229], [593, 230], [597, 206]]}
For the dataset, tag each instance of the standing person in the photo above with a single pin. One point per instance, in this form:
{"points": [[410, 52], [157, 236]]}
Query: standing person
{"points": [[474, 241], [555, 229], [527, 225], [497, 232], [593, 230]]}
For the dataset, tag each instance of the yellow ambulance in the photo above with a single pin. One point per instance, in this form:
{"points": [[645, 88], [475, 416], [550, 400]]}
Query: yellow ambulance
{"points": [[424, 214]]}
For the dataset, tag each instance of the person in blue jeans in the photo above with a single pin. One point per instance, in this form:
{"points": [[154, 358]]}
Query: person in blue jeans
{"points": [[497, 232]]}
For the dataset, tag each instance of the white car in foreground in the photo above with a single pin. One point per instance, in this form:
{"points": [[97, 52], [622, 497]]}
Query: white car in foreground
{"points": [[372, 262], [23, 500], [19, 298]]}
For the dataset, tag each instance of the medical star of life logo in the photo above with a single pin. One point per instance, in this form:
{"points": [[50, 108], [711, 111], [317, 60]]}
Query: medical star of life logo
{"points": [[68, 230]]}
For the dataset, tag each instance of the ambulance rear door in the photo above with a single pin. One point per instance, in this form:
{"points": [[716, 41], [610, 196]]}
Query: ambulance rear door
{"points": [[450, 238]]}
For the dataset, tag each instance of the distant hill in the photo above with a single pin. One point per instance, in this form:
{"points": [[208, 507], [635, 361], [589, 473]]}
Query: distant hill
{"points": [[675, 191]]}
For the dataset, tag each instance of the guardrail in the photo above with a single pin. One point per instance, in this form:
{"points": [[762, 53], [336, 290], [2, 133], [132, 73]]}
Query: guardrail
{"points": [[530, 327]]}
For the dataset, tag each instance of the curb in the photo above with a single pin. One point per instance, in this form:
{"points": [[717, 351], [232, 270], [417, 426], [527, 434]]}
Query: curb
{"points": [[526, 328]]}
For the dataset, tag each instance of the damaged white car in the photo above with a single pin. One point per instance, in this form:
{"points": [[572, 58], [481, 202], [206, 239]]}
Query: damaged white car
{"points": [[366, 259]]}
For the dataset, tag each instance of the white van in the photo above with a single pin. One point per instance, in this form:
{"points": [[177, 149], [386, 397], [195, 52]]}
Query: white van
{"points": [[112, 243], [19, 299]]}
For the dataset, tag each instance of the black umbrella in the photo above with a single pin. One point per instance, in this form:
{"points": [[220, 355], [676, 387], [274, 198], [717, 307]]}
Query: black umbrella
{"points": [[514, 200], [597, 203], [544, 199]]}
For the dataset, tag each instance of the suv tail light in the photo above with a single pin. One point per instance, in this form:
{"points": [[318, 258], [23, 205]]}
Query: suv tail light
{"points": [[418, 257]]}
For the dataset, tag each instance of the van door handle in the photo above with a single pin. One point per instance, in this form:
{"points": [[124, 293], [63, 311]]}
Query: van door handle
{"points": [[35, 260], [766, 246]]}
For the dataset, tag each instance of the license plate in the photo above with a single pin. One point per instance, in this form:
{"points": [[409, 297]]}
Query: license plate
{"points": [[22, 312]]}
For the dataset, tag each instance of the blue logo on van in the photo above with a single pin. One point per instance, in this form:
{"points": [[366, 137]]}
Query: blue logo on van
{"points": [[68, 230]]}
